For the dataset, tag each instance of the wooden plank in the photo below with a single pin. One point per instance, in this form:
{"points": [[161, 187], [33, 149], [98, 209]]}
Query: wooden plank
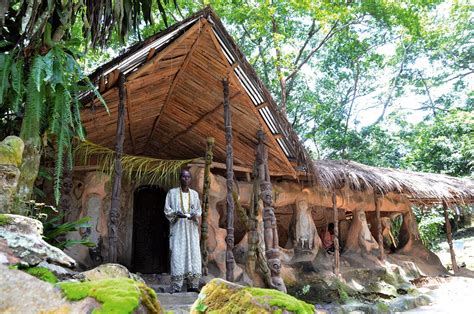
{"points": [[150, 54], [379, 225], [336, 234]]}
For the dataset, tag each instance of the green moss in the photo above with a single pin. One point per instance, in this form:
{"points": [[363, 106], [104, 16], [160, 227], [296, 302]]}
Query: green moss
{"points": [[342, 291], [281, 300], [42, 273], [117, 295], [4, 219], [382, 307]]}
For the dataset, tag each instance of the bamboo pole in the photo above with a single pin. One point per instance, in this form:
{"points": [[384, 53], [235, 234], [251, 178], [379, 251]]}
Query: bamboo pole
{"points": [[449, 237], [379, 224], [336, 234], [205, 203], [229, 179], [117, 179]]}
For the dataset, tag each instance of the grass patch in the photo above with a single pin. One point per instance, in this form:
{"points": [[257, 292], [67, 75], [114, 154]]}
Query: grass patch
{"points": [[117, 295], [42, 273], [281, 300]]}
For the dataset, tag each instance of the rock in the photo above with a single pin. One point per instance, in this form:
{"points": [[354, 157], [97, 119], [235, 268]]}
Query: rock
{"points": [[9, 176], [108, 271], [23, 238], [11, 151], [22, 293], [60, 272], [223, 296]]}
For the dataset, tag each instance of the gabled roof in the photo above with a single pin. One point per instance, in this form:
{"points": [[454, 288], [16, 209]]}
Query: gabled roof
{"points": [[175, 99]]}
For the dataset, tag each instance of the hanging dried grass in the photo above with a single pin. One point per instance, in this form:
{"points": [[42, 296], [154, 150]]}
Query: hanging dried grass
{"points": [[145, 170]]}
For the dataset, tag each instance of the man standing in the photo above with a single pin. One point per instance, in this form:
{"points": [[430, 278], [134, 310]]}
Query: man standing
{"points": [[182, 208]]}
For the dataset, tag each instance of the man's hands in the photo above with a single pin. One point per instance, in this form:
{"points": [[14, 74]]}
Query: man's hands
{"points": [[181, 215], [191, 216]]}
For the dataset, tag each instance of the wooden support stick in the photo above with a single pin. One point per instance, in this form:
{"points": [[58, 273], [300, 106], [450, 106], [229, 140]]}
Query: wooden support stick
{"points": [[379, 225], [205, 203], [117, 179], [449, 237], [336, 234], [230, 179]]}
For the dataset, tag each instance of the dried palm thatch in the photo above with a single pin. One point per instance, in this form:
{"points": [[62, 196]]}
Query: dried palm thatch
{"points": [[139, 168], [417, 186]]}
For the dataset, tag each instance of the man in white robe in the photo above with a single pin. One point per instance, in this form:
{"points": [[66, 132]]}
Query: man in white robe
{"points": [[182, 208]]}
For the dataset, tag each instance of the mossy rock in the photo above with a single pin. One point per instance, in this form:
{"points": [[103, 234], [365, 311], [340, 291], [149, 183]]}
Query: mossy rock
{"points": [[220, 296], [11, 151], [117, 295]]}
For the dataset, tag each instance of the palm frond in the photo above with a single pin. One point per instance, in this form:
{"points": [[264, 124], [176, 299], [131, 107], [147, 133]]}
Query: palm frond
{"points": [[145, 170]]}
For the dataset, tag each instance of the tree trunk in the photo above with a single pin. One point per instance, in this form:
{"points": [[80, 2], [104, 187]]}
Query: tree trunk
{"points": [[117, 179], [336, 235], [230, 178], [28, 170], [205, 203], [449, 237]]}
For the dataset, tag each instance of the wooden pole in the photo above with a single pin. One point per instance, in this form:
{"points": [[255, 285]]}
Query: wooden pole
{"points": [[449, 237], [379, 225], [336, 234], [117, 179], [230, 178], [205, 203]]}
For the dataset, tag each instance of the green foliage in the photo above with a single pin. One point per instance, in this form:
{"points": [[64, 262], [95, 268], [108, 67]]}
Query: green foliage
{"points": [[118, 295], [430, 226], [42, 273], [54, 230]]}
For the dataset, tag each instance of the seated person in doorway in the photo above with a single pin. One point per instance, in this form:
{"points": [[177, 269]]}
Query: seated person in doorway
{"points": [[328, 239], [182, 208]]}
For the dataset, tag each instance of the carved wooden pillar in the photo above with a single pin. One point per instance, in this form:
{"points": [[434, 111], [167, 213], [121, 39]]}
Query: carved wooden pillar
{"points": [[117, 179], [205, 203], [336, 234], [230, 179], [449, 237], [272, 251], [252, 238], [379, 224]]}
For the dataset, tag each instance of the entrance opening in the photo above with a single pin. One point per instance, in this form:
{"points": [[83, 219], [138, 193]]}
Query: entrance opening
{"points": [[150, 231]]}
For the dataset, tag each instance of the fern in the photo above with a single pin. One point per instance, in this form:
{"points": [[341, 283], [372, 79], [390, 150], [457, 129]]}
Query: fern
{"points": [[5, 63], [16, 96]]}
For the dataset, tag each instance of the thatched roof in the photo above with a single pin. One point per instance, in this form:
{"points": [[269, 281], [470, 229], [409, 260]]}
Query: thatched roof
{"points": [[419, 187], [175, 99]]}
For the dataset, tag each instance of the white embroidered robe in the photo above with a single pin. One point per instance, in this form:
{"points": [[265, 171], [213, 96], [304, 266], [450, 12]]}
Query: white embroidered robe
{"points": [[184, 235]]}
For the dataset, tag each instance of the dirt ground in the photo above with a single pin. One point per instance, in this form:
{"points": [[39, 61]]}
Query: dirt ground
{"points": [[452, 294]]}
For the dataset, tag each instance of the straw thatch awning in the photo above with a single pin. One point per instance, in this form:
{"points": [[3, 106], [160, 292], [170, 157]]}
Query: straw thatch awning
{"points": [[175, 99], [419, 187]]}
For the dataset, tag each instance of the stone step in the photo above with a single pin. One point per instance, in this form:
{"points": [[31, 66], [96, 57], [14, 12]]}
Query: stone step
{"points": [[177, 302]]}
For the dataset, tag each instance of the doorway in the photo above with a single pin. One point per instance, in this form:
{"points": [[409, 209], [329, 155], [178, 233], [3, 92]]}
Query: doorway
{"points": [[150, 231]]}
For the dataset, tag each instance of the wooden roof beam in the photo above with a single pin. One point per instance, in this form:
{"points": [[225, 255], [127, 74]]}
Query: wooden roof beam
{"points": [[235, 81], [176, 79]]}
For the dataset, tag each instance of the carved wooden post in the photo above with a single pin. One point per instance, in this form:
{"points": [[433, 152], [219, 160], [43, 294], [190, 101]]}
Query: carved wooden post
{"points": [[205, 203], [336, 234], [449, 237], [117, 179], [272, 251], [230, 178], [252, 239], [379, 224]]}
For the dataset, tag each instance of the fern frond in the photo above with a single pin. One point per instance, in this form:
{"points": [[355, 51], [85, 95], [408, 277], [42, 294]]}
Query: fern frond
{"points": [[5, 63], [17, 85], [34, 108], [145, 170]]}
